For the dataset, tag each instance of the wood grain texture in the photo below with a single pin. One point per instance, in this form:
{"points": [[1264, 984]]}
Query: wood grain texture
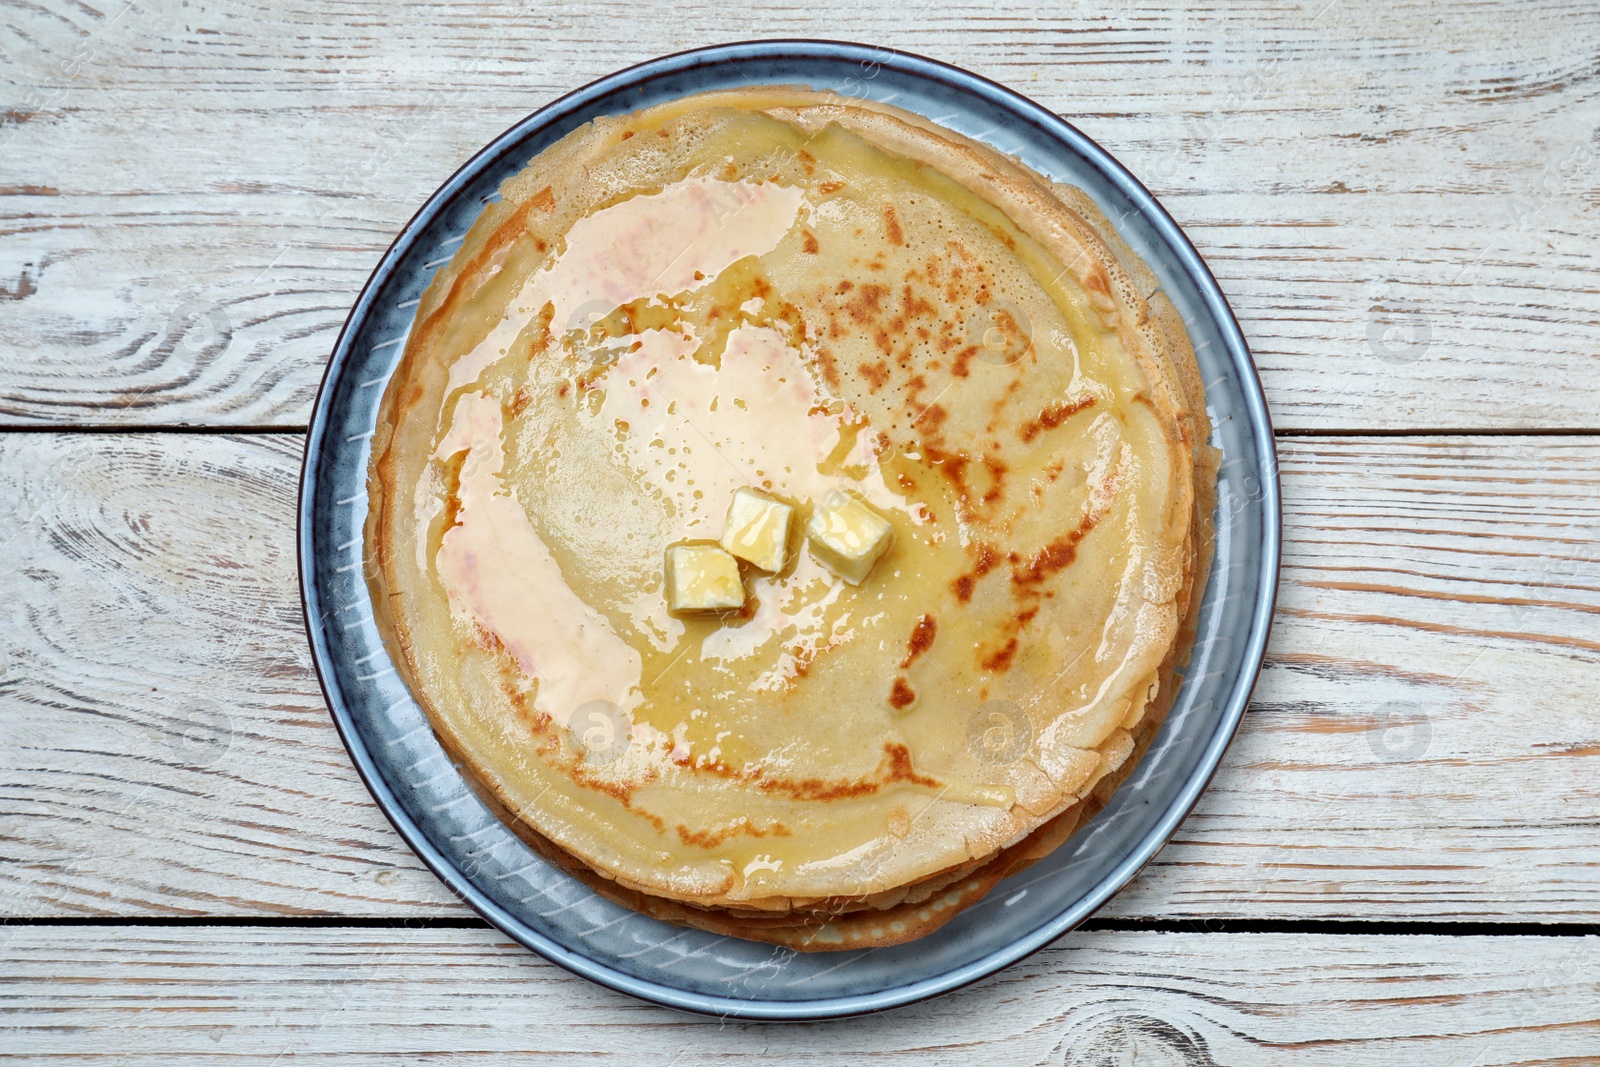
{"points": [[1400, 198], [1422, 743], [1092, 1000]]}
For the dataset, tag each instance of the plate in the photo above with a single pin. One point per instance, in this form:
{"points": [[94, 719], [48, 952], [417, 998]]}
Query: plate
{"points": [[481, 860]]}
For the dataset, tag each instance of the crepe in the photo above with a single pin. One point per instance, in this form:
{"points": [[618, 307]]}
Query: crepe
{"points": [[806, 296]]}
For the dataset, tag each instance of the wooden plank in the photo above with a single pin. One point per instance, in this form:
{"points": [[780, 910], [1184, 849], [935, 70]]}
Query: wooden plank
{"points": [[163, 730], [152, 996], [189, 200], [1422, 744]]}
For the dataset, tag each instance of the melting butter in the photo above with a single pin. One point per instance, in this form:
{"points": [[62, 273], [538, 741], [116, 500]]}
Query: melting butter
{"points": [[792, 610], [663, 243], [696, 432]]}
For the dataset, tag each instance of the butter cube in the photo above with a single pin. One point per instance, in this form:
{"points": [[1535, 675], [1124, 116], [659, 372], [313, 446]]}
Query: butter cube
{"points": [[702, 577], [847, 536], [757, 529]]}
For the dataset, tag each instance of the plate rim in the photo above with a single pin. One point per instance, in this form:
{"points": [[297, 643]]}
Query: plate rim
{"points": [[1045, 123]]}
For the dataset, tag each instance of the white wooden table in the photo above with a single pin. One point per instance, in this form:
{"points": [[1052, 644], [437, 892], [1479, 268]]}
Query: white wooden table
{"points": [[1397, 863]]}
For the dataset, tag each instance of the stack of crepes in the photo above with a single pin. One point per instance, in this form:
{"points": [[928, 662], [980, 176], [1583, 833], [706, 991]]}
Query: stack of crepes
{"points": [[802, 294]]}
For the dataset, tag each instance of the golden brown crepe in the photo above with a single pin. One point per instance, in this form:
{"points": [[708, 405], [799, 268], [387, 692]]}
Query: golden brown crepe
{"points": [[789, 291]]}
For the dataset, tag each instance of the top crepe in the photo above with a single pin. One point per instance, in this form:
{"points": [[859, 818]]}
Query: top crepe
{"points": [[800, 293]]}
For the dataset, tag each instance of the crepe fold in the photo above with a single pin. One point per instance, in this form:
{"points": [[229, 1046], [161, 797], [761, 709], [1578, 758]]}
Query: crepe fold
{"points": [[806, 295]]}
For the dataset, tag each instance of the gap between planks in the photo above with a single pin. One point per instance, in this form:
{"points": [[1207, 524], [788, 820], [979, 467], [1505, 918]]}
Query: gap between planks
{"points": [[1317, 927]]}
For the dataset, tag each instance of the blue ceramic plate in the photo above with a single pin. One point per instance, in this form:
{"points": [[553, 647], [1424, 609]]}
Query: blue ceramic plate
{"points": [[481, 860]]}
